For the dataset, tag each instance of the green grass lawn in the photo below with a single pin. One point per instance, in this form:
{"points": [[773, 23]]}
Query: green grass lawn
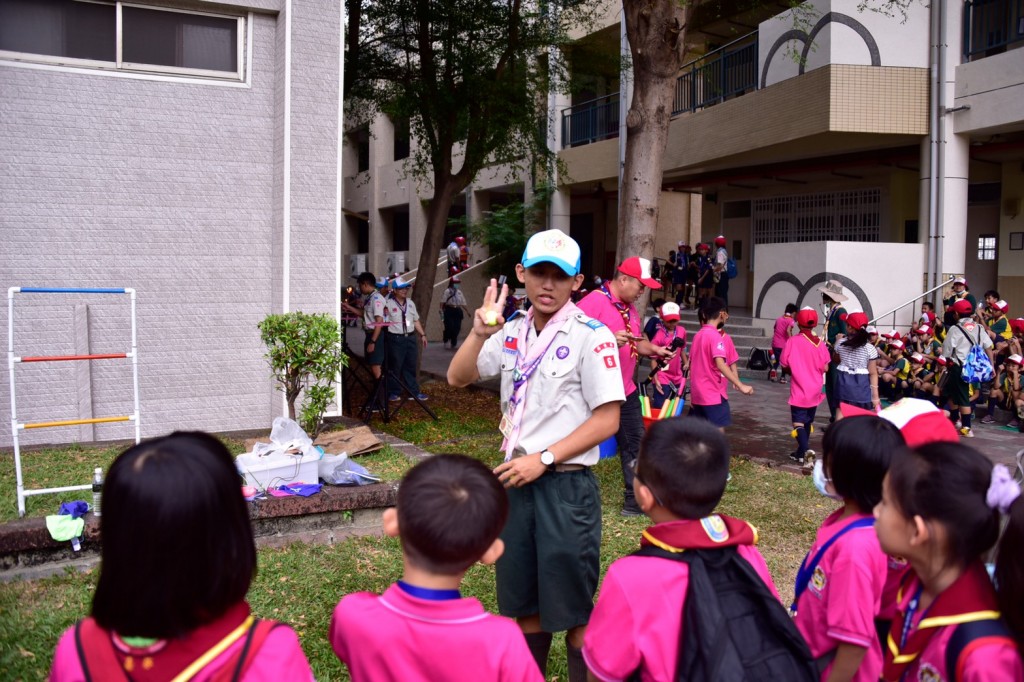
{"points": [[302, 583]]}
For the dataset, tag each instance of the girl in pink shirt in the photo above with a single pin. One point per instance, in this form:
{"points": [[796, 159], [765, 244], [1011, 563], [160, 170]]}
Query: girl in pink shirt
{"points": [[170, 601], [669, 379], [806, 357], [839, 586], [941, 508]]}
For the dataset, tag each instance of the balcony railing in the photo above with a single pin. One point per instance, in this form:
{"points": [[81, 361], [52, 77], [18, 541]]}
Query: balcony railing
{"points": [[592, 121], [990, 26], [719, 75]]}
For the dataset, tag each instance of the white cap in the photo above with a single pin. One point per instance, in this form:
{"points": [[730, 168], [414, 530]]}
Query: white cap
{"points": [[553, 246]]}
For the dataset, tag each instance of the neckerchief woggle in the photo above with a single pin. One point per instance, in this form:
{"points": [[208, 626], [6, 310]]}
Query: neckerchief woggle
{"points": [[624, 312], [528, 357]]}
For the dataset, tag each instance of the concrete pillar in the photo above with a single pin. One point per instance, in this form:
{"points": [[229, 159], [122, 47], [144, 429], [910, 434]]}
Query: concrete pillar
{"points": [[558, 101]]}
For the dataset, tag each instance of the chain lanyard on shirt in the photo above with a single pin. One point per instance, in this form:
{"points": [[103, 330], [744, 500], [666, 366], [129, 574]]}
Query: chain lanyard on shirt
{"points": [[523, 370], [402, 308], [624, 312]]}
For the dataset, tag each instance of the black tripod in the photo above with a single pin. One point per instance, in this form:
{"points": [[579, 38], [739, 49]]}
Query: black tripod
{"points": [[356, 366], [378, 395]]}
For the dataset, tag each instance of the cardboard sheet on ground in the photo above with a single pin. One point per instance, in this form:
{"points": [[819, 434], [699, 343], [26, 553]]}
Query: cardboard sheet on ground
{"points": [[358, 440]]}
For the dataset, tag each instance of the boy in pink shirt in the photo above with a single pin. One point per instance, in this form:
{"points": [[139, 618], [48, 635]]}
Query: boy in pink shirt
{"points": [[636, 624], [450, 512], [806, 357], [783, 330], [712, 356]]}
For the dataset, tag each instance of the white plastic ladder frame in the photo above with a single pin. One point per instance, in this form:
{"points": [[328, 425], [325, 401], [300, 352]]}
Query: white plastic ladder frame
{"points": [[13, 361]]}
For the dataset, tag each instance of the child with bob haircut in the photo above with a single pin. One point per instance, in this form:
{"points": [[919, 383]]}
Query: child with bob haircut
{"points": [[941, 508], [839, 586], [680, 478], [178, 558], [451, 510]]}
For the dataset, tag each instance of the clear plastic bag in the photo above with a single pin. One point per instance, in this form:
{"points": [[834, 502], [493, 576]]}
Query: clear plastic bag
{"points": [[341, 470]]}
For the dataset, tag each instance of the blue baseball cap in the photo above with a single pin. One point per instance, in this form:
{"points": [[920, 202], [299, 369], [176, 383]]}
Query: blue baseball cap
{"points": [[553, 246]]}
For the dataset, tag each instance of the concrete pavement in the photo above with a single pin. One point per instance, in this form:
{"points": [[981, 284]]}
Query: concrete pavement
{"points": [[761, 422]]}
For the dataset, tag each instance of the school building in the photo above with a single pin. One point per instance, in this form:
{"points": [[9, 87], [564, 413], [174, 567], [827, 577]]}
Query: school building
{"points": [[819, 141], [188, 150]]}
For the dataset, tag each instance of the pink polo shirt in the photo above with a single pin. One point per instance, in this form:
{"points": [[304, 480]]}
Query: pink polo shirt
{"points": [[673, 372], [708, 386], [843, 597], [782, 328], [996, 662], [807, 363], [600, 307], [400, 638], [638, 616]]}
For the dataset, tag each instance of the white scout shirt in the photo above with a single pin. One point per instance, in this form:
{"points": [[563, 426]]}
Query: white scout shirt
{"points": [[579, 373], [395, 315], [372, 309]]}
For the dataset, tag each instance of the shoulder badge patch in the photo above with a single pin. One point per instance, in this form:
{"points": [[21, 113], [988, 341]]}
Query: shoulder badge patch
{"points": [[714, 526], [594, 324]]}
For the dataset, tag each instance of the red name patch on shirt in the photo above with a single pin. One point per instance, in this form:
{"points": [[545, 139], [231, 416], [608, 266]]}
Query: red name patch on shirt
{"points": [[606, 344]]}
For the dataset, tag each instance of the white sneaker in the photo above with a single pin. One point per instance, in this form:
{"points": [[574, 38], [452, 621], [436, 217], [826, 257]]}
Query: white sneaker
{"points": [[966, 433]]}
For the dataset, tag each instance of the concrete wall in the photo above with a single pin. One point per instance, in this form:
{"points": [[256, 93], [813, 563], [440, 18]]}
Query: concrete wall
{"points": [[993, 87], [1011, 263], [792, 273], [184, 191], [823, 32]]}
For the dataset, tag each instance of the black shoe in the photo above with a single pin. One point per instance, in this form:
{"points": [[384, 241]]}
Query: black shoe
{"points": [[631, 510], [797, 457]]}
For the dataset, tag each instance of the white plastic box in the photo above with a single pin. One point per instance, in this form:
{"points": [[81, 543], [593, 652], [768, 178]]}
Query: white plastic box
{"points": [[277, 469]]}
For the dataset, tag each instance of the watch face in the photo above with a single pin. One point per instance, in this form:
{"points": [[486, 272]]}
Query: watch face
{"points": [[547, 457]]}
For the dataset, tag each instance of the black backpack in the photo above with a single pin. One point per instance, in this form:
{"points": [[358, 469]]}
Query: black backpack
{"points": [[759, 360], [734, 628]]}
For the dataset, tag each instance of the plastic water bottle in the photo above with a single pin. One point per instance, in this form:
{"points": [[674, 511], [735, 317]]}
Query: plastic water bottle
{"points": [[97, 490]]}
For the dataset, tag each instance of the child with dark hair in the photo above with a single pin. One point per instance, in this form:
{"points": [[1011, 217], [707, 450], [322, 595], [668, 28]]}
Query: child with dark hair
{"points": [[857, 371], [713, 366], [783, 330], [840, 583], [451, 510], [178, 558], [680, 478], [941, 508], [806, 356]]}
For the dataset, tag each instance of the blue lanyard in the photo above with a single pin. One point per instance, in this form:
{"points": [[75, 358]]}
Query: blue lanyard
{"points": [[803, 576], [908, 618], [428, 593]]}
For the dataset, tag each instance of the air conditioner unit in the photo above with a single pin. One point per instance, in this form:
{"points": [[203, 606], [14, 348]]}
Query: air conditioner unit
{"points": [[357, 264], [396, 261]]}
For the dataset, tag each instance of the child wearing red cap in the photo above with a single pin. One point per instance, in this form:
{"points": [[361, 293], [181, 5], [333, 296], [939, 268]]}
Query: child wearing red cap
{"points": [[999, 326], [894, 379], [857, 371], [964, 334], [806, 356], [1006, 393]]}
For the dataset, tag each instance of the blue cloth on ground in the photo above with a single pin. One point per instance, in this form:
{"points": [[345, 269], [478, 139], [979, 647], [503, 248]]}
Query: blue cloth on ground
{"points": [[301, 489], [74, 509]]}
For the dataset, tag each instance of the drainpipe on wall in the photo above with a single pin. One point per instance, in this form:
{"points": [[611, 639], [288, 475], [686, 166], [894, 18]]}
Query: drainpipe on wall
{"points": [[933, 148], [940, 119]]}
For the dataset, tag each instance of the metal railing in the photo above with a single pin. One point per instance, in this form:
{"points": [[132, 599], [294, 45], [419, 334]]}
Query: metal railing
{"points": [[591, 121], [910, 302], [991, 25], [729, 71]]}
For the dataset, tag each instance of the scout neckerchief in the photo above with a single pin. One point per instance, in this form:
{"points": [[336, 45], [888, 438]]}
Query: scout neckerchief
{"points": [[810, 336], [970, 598], [624, 311], [710, 532], [528, 357]]}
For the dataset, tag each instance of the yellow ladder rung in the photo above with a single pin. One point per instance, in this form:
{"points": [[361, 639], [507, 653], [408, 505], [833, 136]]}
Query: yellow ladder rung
{"points": [[74, 422]]}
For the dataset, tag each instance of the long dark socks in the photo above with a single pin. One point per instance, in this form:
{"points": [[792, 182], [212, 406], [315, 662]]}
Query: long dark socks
{"points": [[577, 666], [539, 644]]}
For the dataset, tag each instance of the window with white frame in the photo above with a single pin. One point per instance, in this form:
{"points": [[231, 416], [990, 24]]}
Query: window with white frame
{"points": [[987, 247], [122, 36]]}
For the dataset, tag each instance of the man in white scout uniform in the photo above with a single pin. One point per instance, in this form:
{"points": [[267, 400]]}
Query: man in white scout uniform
{"points": [[560, 396], [403, 352]]}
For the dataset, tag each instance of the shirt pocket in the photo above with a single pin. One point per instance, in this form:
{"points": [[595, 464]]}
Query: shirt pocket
{"points": [[559, 385]]}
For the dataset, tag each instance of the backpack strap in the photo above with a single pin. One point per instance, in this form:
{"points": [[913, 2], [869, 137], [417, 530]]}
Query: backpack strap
{"points": [[234, 668], [969, 636], [803, 576], [96, 653]]}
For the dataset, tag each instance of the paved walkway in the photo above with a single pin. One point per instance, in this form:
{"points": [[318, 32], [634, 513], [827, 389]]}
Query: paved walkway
{"points": [[761, 422]]}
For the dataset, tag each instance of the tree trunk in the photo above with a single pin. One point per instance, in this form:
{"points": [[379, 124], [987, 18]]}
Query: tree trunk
{"points": [[446, 188], [656, 30]]}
